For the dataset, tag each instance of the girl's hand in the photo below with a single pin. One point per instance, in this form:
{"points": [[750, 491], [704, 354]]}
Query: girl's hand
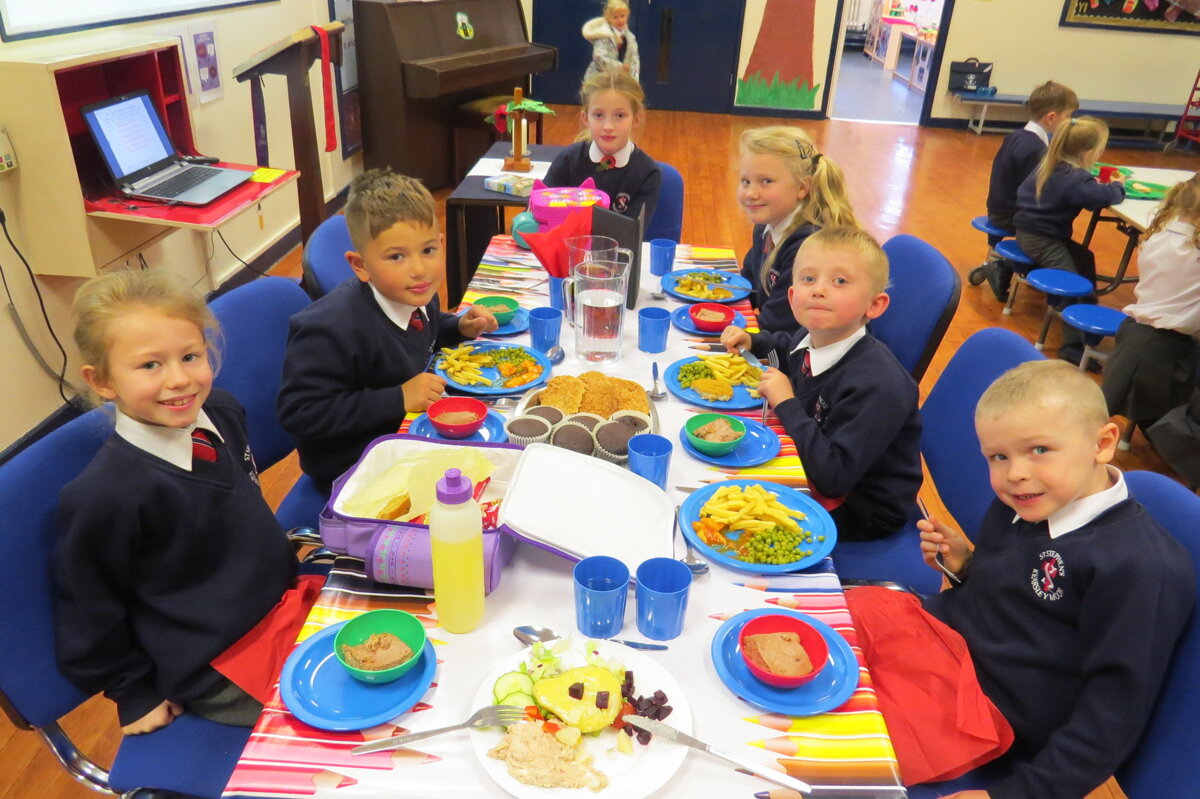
{"points": [[156, 719], [775, 386], [477, 320], [734, 339], [937, 537], [422, 391]]}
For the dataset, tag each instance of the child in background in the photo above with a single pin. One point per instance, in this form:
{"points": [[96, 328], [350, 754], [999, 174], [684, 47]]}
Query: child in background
{"points": [[788, 191], [1069, 603], [357, 358], [169, 553], [850, 407], [1151, 369], [1050, 105], [613, 44], [1050, 199], [613, 106]]}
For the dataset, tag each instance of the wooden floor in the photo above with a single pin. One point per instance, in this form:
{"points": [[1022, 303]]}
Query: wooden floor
{"points": [[925, 182]]}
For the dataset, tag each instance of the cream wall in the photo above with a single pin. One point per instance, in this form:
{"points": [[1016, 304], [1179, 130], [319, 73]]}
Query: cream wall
{"points": [[824, 19], [221, 127], [1024, 40]]}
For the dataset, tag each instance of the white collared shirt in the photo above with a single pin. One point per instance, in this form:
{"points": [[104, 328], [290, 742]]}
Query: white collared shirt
{"points": [[1038, 131], [1168, 291], [777, 231], [822, 359], [398, 312], [1074, 515], [172, 444], [621, 157]]}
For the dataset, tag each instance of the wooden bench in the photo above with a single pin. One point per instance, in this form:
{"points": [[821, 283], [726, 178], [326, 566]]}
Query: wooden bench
{"points": [[1156, 115]]}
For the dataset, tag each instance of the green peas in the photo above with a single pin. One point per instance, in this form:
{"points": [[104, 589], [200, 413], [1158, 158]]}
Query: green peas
{"points": [[691, 372]]}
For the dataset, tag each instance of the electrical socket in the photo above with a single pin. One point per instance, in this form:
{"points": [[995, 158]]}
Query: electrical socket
{"points": [[8, 156]]}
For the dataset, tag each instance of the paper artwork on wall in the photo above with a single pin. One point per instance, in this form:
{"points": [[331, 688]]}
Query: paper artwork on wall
{"points": [[779, 73], [1145, 16]]}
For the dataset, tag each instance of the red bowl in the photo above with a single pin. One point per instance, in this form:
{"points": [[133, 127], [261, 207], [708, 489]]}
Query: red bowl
{"points": [[711, 327], [810, 638], [457, 404]]}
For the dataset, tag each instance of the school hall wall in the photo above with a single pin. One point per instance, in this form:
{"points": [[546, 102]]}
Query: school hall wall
{"points": [[221, 127]]}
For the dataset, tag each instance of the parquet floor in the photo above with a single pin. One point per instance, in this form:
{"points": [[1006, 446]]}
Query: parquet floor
{"points": [[926, 182]]}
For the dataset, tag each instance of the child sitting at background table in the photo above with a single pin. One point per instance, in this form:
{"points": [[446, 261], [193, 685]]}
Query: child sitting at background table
{"points": [[614, 106], [357, 358], [1068, 605], [1050, 105], [613, 45], [788, 191], [849, 405]]}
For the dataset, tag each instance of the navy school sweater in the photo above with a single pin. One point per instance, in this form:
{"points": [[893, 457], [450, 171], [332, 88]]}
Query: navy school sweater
{"points": [[1068, 190], [1071, 637], [342, 374], [774, 310], [629, 188], [159, 570], [1018, 156]]}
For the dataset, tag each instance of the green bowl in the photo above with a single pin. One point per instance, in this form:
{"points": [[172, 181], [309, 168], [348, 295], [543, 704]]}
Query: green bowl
{"points": [[503, 308], [714, 448], [405, 626]]}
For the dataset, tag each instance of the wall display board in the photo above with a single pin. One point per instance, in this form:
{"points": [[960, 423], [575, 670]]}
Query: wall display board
{"points": [[1146, 16], [26, 19]]}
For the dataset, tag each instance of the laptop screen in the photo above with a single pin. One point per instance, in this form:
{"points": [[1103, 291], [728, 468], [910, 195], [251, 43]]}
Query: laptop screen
{"points": [[130, 135]]}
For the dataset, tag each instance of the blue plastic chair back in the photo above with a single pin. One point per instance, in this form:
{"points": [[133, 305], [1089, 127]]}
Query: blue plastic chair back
{"points": [[924, 290], [324, 257], [667, 222]]}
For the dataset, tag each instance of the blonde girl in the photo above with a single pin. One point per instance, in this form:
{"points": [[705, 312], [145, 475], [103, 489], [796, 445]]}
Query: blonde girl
{"points": [[168, 554], [1049, 200], [788, 190], [1152, 367], [613, 44], [613, 106]]}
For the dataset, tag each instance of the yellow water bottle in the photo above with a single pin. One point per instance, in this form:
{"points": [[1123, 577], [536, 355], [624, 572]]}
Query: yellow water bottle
{"points": [[456, 540]]}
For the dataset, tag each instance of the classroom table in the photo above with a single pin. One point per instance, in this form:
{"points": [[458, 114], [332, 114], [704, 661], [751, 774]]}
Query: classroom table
{"points": [[847, 751]]}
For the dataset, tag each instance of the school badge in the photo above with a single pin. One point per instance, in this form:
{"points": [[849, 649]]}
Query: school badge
{"points": [[1046, 579]]}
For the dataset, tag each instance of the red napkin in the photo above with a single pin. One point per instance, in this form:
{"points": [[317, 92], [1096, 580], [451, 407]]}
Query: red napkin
{"points": [[550, 247]]}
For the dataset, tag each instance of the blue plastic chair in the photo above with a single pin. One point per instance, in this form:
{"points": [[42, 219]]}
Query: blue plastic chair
{"points": [[1058, 285], [951, 451], [191, 755], [667, 222], [924, 291], [324, 257], [1096, 322]]}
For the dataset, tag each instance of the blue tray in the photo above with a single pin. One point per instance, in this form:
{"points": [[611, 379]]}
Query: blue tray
{"points": [[319, 691], [683, 320], [737, 284], [491, 373], [759, 446], [492, 430], [819, 523], [518, 324], [741, 395], [828, 690]]}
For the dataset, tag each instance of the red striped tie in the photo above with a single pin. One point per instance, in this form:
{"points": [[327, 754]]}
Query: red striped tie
{"points": [[202, 447], [806, 367], [416, 321], [768, 244]]}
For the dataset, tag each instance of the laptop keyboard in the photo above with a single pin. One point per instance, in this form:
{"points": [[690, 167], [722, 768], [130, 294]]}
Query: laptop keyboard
{"points": [[177, 185]]}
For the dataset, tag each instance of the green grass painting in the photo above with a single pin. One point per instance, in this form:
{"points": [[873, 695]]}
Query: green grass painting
{"points": [[754, 91]]}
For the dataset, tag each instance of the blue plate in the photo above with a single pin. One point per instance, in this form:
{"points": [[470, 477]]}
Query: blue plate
{"points": [[741, 400], [492, 430], [320, 692], [828, 690], [737, 284], [683, 320], [491, 373], [759, 446], [518, 324], [819, 523]]}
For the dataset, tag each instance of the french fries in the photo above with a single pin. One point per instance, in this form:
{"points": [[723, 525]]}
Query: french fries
{"points": [[733, 368], [464, 366], [751, 509]]}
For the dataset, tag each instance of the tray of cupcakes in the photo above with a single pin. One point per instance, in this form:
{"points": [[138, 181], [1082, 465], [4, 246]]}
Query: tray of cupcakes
{"points": [[593, 414]]}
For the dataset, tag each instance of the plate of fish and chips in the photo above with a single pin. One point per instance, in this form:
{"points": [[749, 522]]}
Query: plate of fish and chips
{"points": [[722, 381]]}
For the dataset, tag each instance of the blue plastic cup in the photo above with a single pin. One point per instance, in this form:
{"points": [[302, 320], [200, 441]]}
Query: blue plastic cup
{"points": [[650, 457], [653, 324], [556, 293], [662, 256], [601, 586], [545, 326], [662, 594]]}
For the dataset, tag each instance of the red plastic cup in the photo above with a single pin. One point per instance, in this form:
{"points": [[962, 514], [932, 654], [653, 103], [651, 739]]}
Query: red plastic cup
{"points": [[1107, 173]]}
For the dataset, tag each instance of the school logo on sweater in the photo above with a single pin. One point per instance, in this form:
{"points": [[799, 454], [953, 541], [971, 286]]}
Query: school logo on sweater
{"points": [[1046, 578], [620, 203], [249, 464]]}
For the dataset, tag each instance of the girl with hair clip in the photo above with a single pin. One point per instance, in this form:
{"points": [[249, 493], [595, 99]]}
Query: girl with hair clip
{"points": [[613, 44], [1153, 365], [614, 106], [1051, 197], [789, 191]]}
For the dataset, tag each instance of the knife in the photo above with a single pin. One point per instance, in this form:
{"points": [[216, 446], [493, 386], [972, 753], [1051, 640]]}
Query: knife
{"points": [[750, 359], [669, 733]]}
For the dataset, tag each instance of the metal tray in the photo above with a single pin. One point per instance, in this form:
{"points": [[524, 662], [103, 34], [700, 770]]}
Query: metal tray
{"points": [[529, 400]]}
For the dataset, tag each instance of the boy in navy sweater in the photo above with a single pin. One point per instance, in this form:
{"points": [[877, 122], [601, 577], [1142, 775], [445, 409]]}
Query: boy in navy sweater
{"points": [[849, 405], [1049, 105], [357, 358]]}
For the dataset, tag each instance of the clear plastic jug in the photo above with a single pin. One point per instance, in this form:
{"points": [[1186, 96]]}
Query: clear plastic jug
{"points": [[595, 297]]}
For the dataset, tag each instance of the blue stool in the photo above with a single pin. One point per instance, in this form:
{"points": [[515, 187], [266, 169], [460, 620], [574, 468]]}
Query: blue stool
{"points": [[1095, 322], [980, 223], [1058, 285], [1011, 251]]}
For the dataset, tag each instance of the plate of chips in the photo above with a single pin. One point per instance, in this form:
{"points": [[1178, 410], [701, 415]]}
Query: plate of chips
{"points": [[722, 381], [491, 368], [706, 285]]}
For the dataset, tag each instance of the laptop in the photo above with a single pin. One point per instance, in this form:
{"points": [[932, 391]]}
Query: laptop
{"points": [[142, 160], [628, 233]]}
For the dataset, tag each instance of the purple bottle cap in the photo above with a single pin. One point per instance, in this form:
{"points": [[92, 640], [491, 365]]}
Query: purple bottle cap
{"points": [[454, 488]]}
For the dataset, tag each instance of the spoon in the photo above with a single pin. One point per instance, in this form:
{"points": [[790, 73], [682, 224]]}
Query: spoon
{"points": [[529, 635], [656, 391], [556, 354], [694, 562]]}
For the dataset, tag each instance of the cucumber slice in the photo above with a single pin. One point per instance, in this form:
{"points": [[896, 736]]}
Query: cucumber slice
{"points": [[517, 699], [514, 682]]}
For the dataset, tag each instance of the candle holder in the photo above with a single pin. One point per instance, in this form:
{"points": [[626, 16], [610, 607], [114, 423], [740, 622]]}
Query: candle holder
{"points": [[511, 117]]}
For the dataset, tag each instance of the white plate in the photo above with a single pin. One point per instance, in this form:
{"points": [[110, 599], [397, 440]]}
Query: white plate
{"points": [[629, 776]]}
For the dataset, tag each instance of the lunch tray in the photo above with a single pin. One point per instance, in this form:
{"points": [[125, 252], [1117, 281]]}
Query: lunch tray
{"points": [[529, 400]]}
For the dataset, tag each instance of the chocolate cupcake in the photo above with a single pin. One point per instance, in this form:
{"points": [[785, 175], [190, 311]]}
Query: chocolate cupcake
{"points": [[526, 430], [573, 436], [612, 441], [588, 420], [640, 422], [548, 412]]}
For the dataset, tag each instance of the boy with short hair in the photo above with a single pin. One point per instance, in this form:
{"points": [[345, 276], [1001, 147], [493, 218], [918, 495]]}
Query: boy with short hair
{"points": [[1050, 105], [357, 358], [1070, 600], [849, 405]]}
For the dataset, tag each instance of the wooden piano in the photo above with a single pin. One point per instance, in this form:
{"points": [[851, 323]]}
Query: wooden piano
{"points": [[419, 60]]}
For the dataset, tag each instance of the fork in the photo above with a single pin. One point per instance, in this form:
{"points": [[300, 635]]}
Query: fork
{"points": [[773, 362], [490, 716]]}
